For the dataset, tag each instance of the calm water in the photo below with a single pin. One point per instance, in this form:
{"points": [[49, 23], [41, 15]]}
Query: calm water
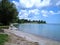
{"points": [[51, 31]]}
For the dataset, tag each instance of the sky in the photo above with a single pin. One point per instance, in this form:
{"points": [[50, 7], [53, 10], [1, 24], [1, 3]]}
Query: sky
{"points": [[47, 10]]}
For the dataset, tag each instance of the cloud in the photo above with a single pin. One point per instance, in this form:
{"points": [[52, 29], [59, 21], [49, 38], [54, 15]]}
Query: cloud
{"points": [[23, 14], [16, 3], [58, 3], [36, 14], [46, 13], [34, 11], [35, 3], [26, 12], [53, 2], [32, 3], [54, 13], [51, 12], [26, 3]]}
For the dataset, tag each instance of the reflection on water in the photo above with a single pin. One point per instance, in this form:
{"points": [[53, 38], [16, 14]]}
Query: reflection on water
{"points": [[51, 31]]}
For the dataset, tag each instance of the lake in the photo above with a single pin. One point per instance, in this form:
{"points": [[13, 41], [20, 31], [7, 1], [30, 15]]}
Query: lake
{"points": [[50, 31]]}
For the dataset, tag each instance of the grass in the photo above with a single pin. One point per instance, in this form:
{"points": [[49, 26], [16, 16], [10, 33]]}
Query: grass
{"points": [[3, 38]]}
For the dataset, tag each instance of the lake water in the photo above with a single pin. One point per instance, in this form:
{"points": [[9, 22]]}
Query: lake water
{"points": [[51, 31]]}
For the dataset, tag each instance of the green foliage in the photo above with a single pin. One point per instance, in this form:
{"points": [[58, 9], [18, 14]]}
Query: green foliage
{"points": [[8, 12], [3, 38], [28, 21]]}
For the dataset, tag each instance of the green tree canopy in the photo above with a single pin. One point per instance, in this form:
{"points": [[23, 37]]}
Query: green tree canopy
{"points": [[8, 12]]}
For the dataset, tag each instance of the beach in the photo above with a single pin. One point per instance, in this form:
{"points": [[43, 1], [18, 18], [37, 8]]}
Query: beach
{"points": [[29, 38]]}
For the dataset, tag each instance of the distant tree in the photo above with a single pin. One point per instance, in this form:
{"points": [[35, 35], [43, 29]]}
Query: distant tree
{"points": [[29, 21], [44, 22], [39, 21], [8, 12]]}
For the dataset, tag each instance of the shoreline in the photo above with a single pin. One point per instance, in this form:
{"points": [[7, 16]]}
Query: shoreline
{"points": [[33, 38], [39, 36]]}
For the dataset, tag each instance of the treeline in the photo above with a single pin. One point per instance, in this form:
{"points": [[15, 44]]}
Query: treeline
{"points": [[8, 12], [29, 21]]}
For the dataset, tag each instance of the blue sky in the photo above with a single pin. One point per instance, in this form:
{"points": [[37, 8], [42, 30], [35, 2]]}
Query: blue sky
{"points": [[48, 10]]}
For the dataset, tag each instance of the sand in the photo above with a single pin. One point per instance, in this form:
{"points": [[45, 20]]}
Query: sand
{"points": [[28, 39]]}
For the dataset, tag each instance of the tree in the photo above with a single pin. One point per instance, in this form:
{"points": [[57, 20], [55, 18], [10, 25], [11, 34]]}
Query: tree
{"points": [[8, 12]]}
